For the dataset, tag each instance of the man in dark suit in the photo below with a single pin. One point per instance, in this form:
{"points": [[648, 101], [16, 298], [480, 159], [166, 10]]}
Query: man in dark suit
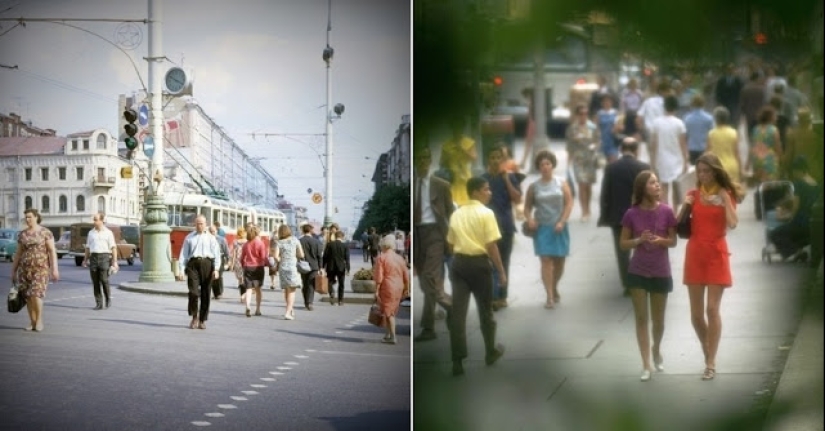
{"points": [[727, 91], [312, 254], [617, 192], [432, 208], [751, 100], [336, 263], [375, 240]]}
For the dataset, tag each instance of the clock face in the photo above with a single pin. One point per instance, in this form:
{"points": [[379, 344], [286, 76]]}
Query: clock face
{"points": [[175, 80]]}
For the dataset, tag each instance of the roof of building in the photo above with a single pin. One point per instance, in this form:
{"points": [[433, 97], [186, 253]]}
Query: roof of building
{"points": [[32, 146], [84, 134]]}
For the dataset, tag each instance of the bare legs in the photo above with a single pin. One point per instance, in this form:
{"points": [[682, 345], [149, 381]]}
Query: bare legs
{"points": [[665, 194], [34, 306], [552, 268], [708, 331], [585, 195], [289, 298], [390, 335], [258, 298], [658, 303]]}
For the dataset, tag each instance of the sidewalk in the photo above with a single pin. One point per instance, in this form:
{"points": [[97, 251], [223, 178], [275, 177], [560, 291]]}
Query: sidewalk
{"points": [[577, 367], [231, 292]]}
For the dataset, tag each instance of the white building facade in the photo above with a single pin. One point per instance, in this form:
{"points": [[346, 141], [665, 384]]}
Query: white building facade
{"points": [[67, 179]]}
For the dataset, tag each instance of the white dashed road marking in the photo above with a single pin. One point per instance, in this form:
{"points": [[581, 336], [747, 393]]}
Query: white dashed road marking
{"points": [[239, 398], [291, 363], [301, 356], [267, 379], [284, 368], [227, 406], [250, 392], [215, 415], [201, 423], [276, 373], [259, 386]]}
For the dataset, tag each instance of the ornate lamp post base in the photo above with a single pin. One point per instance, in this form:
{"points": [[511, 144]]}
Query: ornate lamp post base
{"points": [[157, 250]]}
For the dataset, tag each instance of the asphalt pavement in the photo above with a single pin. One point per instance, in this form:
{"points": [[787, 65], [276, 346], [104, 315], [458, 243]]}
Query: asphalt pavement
{"points": [[577, 367]]}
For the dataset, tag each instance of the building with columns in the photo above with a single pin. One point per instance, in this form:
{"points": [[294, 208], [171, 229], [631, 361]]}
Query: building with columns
{"points": [[67, 179]]}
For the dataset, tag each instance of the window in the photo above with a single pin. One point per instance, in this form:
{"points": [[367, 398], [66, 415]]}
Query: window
{"points": [[79, 171], [10, 174], [12, 204], [61, 173], [44, 174], [74, 145], [101, 204], [85, 144], [101, 174], [28, 175], [63, 204], [28, 202], [80, 203], [45, 207], [101, 141]]}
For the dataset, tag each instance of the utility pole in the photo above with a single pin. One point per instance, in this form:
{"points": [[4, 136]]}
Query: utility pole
{"points": [[156, 252], [328, 52]]}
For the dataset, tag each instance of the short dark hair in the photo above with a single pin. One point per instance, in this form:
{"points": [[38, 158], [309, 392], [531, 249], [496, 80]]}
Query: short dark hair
{"points": [[544, 155], [671, 103], [306, 228], [35, 213], [474, 184]]}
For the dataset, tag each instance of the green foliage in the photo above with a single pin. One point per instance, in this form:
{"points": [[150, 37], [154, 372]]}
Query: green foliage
{"points": [[387, 210]]}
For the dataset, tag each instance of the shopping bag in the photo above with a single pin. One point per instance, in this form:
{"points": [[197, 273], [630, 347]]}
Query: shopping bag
{"points": [[376, 318], [16, 300], [321, 283]]}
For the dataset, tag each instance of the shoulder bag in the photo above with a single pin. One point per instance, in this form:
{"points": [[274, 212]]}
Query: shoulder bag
{"points": [[303, 267], [683, 224]]}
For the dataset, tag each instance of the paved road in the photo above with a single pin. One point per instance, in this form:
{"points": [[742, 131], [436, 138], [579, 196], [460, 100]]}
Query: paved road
{"points": [[137, 366], [577, 367]]}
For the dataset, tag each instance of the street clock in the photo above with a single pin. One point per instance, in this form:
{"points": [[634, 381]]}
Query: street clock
{"points": [[177, 81]]}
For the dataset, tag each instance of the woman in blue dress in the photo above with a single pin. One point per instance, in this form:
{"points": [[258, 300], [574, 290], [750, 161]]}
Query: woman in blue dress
{"points": [[552, 201]]}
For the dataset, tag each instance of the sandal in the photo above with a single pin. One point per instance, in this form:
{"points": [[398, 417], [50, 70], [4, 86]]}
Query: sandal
{"points": [[709, 374]]}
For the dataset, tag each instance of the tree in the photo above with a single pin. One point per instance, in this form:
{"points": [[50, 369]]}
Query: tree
{"points": [[387, 210]]}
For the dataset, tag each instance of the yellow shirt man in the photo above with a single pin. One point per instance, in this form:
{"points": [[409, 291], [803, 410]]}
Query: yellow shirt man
{"points": [[472, 227]]}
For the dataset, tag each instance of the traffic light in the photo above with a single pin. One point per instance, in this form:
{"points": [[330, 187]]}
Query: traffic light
{"points": [[126, 172], [130, 128]]}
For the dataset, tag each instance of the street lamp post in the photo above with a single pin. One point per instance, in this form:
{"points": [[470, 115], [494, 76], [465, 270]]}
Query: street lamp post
{"points": [[327, 55]]}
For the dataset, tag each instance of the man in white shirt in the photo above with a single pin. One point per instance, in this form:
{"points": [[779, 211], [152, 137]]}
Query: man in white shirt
{"points": [[668, 151], [101, 257], [200, 260]]}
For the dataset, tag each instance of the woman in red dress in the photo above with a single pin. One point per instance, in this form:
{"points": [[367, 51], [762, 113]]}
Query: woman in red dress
{"points": [[707, 265], [392, 283]]}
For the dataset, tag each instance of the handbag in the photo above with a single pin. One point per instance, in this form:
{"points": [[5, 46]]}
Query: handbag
{"points": [[321, 283], [376, 318], [303, 267], [525, 229], [683, 224], [16, 300]]}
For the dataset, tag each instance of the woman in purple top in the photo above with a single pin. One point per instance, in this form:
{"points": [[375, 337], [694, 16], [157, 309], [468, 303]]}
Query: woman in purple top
{"points": [[649, 228]]}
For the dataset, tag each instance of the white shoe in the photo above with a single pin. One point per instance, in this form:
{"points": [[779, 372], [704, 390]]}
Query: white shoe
{"points": [[645, 375], [659, 365], [289, 317]]}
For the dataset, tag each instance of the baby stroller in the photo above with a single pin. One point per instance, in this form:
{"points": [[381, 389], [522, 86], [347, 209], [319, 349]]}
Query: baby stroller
{"points": [[770, 194]]}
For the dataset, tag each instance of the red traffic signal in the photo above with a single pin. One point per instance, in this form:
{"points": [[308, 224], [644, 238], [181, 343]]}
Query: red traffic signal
{"points": [[497, 81], [760, 38]]}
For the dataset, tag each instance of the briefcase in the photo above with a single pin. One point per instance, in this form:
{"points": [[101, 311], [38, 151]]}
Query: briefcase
{"points": [[321, 283]]}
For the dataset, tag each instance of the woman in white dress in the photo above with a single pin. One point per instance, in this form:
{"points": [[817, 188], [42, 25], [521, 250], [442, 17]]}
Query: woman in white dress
{"points": [[668, 151]]}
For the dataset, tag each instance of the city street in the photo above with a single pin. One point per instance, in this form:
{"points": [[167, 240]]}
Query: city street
{"points": [[577, 367], [137, 365]]}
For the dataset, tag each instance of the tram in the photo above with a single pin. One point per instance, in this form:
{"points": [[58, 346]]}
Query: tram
{"points": [[182, 208]]}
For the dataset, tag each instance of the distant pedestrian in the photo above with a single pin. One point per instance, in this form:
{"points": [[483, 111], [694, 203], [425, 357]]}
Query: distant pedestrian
{"points": [[219, 231], [313, 255], [432, 208], [34, 262], [723, 140], [582, 143], [615, 199], [550, 197], [217, 284], [235, 262], [200, 258], [473, 234], [668, 151], [286, 254], [365, 246], [392, 283], [652, 108], [727, 92], [101, 259], [765, 148], [751, 101], [336, 264], [272, 270], [707, 259], [505, 189], [698, 123], [375, 247], [606, 121], [649, 229], [254, 260]]}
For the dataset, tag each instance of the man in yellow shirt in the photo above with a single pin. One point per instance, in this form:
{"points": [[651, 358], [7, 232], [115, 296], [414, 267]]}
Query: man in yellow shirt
{"points": [[473, 235]]}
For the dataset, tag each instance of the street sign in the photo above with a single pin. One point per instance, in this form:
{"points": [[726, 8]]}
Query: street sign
{"points": [[316, 198], [143, 115], [149, 146]]}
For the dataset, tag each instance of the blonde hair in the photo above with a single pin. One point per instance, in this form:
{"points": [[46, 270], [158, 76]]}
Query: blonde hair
{"points": [[388, 242]]}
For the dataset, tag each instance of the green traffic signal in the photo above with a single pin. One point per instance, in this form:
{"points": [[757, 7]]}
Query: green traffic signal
{"points": [[130, 128], [131, 142]]}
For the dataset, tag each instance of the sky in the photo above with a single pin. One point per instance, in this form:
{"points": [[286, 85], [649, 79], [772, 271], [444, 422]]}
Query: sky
{"points": [[258, 69]]}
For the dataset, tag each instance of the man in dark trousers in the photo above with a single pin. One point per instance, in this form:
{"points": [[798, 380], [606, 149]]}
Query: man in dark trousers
{"points": [[506, 192], [336, 264], [751, 100], [375, 247], [200, 258], [432, 208], [312, 254], [727, 91], [473, 234], [617, 191]]}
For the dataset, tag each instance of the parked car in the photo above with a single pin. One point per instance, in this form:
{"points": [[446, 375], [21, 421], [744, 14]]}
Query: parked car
{"points": [[8, 243], [77, 248], [62, 245], [131, 234]]}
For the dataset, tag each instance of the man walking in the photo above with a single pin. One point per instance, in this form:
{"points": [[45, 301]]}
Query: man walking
{"points": [[473, 234], [617, 190], [312, 254], [336, 264], [432, 208], [375, 247], [200, 258], [101, 258], [217, 284], [727, 92], [506, 192]]}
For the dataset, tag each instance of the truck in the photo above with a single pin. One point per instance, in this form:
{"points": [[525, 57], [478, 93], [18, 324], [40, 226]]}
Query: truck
{"points": [[79, 233]]}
